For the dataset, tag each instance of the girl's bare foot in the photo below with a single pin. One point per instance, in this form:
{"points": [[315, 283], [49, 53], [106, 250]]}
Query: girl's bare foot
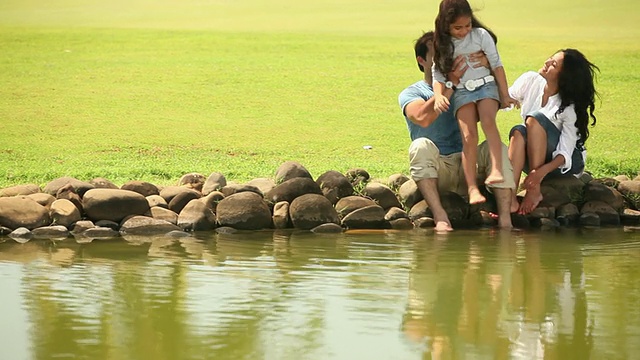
{"points": [[475, 196], [495, 177]]}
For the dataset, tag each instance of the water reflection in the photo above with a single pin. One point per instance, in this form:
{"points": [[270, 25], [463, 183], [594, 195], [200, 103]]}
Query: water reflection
{"points": [[298, 295]]}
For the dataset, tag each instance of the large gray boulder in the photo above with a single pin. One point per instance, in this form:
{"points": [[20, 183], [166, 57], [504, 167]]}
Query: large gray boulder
{"points": [[64, 212], [334, 185], [26, 189], [22, 211], [80, 186], [289, 170], [196, 216], [113, 204], [143, 188], [291, 189], [382, 195], [310, 210], [244, 211]]}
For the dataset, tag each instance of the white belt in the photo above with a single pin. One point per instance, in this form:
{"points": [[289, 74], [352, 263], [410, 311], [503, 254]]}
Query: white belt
{"points": [[476, 83]]}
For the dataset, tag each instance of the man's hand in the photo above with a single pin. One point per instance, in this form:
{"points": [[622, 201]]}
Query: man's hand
{"points": [[458, 69], [479, 59]]}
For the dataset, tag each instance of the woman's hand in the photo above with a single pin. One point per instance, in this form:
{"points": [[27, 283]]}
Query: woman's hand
{"points": [[533, 180], [441, 103]]}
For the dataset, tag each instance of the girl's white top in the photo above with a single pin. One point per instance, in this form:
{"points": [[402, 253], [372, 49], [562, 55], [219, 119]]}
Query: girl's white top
{"points": [[477, 39], [528, 90]]}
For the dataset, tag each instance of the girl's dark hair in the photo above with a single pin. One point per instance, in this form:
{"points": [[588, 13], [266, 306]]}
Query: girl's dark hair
{"points": [[449, 11], [576, 86]]}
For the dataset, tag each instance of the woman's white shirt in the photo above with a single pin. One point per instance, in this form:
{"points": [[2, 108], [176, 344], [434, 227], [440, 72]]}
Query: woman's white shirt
{"points": [[528, 90]]}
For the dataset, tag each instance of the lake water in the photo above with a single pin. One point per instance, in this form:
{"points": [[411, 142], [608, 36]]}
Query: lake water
{"points": [[571, 294]]}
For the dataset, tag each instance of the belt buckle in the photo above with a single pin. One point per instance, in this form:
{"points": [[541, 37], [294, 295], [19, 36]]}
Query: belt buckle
{"points": [[471, 85]]}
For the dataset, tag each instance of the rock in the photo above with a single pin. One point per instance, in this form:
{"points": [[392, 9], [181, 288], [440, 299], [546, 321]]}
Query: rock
{"points": [[357, 176], [141, 187], [144, 225], [382, 195], [409, 194], [369, 217], [100, 232], [102, 183], [334, 186], [631, 191], [395, 213], [64, 212], [281, 219], [589, 219], [51, 232], [17, 190], [157, 200], [291, 189], [167, 215], [113, 204], [212, 200], [67, 192], [182, 199], [595, 191], [396, 180], [80, 187], [401, 224], [21, 235], [196, 216], [244, 211], [607, 214], [264, 185], [290, 170], [310, 210], [193, 181], [22, 211], [329, 228], [214, 182], [424, 222], [630, 217], [231, 189], [43, 199], [350, 203]]}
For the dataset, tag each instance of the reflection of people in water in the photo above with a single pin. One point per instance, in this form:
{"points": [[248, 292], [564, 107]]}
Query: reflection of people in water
{"points": [[495, 301]]}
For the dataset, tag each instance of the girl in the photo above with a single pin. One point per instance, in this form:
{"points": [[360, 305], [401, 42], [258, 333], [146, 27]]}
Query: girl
{"points": [[478, 95], [557, 103]]}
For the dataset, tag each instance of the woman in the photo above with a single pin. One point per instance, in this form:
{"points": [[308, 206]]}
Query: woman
{"points": [[556, 104]]}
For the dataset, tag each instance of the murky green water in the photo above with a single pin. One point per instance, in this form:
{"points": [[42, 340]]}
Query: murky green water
{"points": [[369, 295]]}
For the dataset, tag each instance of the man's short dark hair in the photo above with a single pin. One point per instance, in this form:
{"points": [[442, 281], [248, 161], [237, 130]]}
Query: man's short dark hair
{"points": [[421, 48]]}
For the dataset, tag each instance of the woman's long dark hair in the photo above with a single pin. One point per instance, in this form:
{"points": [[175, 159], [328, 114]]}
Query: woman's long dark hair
{"points": [[576, 86], [449, 11]]}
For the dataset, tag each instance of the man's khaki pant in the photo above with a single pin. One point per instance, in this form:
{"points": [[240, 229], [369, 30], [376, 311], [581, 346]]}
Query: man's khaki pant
{"points": [[426, 162]]}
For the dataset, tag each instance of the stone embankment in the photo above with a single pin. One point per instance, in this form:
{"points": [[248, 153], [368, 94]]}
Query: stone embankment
{"points": [[98, 209]]}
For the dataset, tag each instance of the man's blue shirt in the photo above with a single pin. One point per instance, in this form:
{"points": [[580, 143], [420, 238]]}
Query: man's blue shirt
{"points": [[444, 131]]}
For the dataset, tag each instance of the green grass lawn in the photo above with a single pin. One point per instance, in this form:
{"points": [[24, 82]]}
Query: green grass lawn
{"points": [[150, 90]]}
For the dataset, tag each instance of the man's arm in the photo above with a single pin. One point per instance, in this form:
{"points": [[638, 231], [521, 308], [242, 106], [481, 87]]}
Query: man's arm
{"points": [[421, 112]]}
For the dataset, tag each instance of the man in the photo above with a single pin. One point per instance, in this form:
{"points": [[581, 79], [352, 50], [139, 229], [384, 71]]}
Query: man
{"points": [[435, 153]]}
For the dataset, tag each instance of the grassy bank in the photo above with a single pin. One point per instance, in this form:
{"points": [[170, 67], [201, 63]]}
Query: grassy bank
{"points": [[145, 90]]}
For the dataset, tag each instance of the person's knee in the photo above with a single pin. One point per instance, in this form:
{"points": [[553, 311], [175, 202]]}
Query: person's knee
{"points": [[423, 159]]}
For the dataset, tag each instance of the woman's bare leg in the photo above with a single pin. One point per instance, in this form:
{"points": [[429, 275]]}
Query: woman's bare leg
{"points": [[517, 156], [536, 153], [487, 110], [468, 118]]}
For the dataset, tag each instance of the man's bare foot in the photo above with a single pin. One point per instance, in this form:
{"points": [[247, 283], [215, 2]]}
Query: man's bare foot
{"points": [[475, 196], [531, 200], [443, 226]]}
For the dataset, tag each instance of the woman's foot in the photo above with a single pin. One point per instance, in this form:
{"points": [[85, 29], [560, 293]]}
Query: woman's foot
{"points": [[475, 196], [515, 204], [531, 200]]}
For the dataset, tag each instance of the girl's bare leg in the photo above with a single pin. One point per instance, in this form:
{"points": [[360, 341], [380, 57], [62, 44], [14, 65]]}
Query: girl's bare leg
{"points": [[517, 152], [468, 118], [487, 110]]}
